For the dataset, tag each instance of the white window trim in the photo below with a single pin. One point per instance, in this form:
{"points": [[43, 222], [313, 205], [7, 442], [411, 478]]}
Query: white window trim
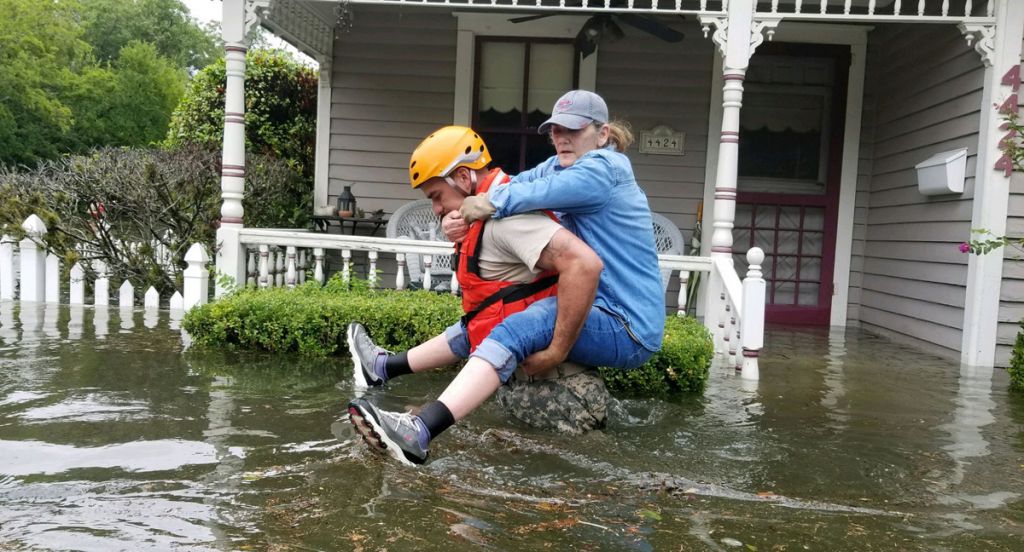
{"points": [[473, 24]]}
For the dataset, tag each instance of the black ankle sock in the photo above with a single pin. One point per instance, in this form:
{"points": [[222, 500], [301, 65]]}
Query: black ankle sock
{"points": [[397, 365], [436, 417]]}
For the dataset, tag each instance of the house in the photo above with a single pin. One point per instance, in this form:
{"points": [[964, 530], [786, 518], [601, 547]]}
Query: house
{"points": [[796, 124]]}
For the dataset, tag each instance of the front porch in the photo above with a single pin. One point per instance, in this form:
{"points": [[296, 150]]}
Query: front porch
{"points": [[385, 84]]}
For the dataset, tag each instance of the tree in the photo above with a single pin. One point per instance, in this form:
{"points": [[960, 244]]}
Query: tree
{"points": [[128, 102], [41, 52], [110, 25], [280, 109]]}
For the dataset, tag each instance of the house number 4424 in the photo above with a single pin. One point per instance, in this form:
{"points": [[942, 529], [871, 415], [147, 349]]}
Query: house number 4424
{"points": [[1009, 107]]}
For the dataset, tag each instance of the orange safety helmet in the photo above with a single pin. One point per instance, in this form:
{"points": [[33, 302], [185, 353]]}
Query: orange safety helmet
{"points": [[445, 150]]}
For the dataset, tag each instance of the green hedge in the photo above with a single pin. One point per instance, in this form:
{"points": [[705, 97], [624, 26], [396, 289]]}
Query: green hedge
{"points": [[682, 364], [1016, 368], [311, 320]]}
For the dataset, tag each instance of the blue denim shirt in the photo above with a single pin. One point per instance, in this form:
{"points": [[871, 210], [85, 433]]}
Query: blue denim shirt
{"points": [[599, 201]]}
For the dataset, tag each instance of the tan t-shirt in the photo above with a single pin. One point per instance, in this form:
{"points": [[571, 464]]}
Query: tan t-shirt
{"points": [[511, 246]]}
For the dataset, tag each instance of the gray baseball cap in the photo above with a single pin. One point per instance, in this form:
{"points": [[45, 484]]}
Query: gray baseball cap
{"points": [[575, 110]]}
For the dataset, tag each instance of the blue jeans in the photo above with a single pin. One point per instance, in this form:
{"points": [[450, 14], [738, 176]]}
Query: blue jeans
{"points": [[603, 341]]}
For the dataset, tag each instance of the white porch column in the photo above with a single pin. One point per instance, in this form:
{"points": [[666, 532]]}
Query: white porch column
{"points": [[1000, 49], [321, 182], [230, 255]]}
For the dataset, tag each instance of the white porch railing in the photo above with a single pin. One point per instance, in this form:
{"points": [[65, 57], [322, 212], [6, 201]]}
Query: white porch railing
{"points": [[735, 311]]}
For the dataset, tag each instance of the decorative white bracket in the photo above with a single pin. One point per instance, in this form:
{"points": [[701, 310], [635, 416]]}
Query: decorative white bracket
{"points": [[761, 28], [255, 12], [982, 37]]}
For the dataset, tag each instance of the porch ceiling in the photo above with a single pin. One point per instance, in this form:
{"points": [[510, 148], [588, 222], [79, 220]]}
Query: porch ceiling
{"points": [[309, 24]]}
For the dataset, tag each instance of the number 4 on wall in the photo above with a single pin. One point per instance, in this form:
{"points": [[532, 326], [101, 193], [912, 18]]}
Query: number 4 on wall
{"points": [[1011, 79]]}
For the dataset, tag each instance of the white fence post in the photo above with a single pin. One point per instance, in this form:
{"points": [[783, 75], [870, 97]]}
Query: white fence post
{"points": [[752, 321], [77, 285], [197, 277], [6, 267], [33, 260], [152, 299], [126, 295], [177, 302], [101, 288], [52, 279]]}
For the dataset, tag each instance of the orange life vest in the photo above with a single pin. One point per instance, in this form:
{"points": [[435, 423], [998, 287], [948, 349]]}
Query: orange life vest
{"points": [[487, 302]]}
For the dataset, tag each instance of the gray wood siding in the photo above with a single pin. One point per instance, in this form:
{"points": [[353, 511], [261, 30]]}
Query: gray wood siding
{"points": [[393, 82], [909, 278]]}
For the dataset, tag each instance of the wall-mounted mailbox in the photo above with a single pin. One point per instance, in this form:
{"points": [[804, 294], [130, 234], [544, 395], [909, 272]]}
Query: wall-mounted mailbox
{"points": [[942, 173]]}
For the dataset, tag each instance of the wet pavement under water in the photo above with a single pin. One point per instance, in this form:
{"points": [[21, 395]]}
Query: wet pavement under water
{"points": [[113, 437]]}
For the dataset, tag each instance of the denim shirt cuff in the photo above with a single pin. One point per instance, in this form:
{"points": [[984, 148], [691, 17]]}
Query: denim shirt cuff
{"points": [[498, 196]]}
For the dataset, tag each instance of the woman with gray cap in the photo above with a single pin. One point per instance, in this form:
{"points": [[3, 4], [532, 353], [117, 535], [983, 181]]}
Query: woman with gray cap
{"points": [[590, 182]]}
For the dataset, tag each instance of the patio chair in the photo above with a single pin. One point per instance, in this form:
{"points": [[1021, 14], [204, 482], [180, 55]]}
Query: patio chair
{"points": [[667, 240], [416, 220]]}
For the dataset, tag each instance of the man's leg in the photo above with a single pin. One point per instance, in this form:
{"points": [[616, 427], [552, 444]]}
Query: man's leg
{"points": [[373, 365]]}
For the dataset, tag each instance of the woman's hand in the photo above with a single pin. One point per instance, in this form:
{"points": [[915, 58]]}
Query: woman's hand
{"points": [[477, 207], [454, 227]]}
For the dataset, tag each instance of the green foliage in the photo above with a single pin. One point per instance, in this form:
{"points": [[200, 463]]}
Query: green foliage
{"points": [[40, 50], [111, 25], [1016, 368], [114, 196], [682, 364], [280, 109], [78, 74], [125, 103], [310, 320]]}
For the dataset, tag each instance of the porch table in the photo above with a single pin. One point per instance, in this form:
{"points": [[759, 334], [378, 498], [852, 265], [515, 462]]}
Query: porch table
{"points": [[322, 223]]}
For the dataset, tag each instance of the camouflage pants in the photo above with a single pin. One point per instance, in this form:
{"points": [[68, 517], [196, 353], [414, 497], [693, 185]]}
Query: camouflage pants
{"points": [[572, 404]]}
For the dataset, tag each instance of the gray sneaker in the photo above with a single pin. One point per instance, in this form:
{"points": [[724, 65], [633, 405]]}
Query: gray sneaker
{"points": [[392, 433], [366, 357]]}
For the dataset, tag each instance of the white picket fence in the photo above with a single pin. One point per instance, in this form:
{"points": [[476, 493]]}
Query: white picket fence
{"points": [[28, 273]]}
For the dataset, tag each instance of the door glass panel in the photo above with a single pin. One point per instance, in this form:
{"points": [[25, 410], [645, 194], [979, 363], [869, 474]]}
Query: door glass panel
{"points": [[785, 293], [789, 217], [810, 269], [814, 218], [808, 295], [785, 267], [789, 242], [811, 243]]}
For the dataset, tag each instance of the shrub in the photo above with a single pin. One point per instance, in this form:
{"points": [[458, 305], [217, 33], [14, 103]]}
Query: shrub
{"points": [[95, 205], [682, 364], [1016, 368], [311, 321]]}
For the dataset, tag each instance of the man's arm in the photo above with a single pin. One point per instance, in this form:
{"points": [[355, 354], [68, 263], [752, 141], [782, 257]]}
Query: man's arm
{"points": [[579, 270]]}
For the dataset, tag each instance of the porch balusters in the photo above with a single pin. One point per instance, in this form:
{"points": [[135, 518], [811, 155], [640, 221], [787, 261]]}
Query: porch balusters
{"points": [[250, 268], [371, 274], [400, 277], [264, 278], [318, 267], [428, 261], [291, 272], [346, 265]]}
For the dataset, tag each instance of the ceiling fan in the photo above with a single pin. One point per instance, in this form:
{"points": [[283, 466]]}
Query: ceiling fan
{"points": [[607, 24]]}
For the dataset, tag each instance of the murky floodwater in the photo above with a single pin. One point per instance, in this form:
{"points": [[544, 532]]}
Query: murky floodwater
{"points": [[112, 438]]}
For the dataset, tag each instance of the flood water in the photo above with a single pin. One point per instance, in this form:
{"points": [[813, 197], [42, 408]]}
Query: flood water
{"points": [[112, 437]]}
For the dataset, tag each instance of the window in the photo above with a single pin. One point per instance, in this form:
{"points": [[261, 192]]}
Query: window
{"points": [[518, 80]]}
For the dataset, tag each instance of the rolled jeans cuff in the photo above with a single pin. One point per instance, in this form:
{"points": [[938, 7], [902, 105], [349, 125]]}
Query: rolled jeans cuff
{"points": [[458, 339], [495, 354]]}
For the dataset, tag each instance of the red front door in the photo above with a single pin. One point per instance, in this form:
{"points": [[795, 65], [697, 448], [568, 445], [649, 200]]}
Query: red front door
{"points": [[791, 142]]}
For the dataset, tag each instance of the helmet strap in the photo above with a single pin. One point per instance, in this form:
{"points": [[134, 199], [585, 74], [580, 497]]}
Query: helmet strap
{"points": [[472, 181]]}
